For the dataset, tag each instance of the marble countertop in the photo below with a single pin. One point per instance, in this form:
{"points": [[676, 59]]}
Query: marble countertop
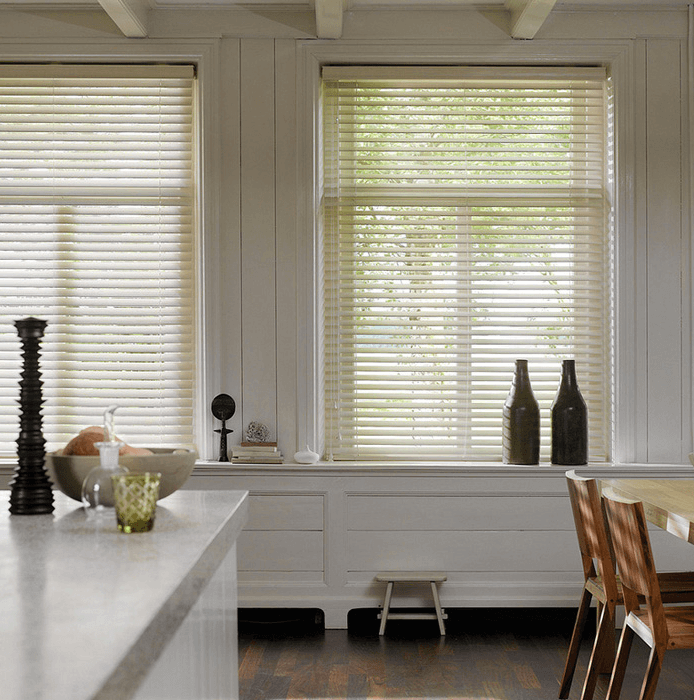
{"points": [[86, 610]]}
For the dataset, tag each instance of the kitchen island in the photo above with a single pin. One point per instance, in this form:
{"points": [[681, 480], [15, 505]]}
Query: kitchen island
{"points": [[89, 613]]}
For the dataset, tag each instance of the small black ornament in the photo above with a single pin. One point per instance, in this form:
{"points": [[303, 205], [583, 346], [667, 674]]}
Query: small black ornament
{"points": [[223, 408], [30, 489], [521, 421], [569, 420]]}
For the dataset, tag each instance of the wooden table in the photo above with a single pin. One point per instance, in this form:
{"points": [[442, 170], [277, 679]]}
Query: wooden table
{"points": [[668, 503]]}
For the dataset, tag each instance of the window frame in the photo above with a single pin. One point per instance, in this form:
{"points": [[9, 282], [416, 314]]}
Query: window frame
{"points": [[210, 310], [345, 87], [617, 59]]}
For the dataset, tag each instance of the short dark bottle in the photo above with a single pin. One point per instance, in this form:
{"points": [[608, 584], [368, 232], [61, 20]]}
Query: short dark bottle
{"points": [[569, 420], [521, 421]]}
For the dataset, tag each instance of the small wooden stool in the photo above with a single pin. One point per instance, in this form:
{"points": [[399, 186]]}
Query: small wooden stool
{"points": [[392, 577]]}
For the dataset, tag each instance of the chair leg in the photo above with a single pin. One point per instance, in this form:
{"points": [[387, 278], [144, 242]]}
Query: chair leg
{"points": [[603, 637], [620, 664], [575, 644], [655, 663], [608, 645]]}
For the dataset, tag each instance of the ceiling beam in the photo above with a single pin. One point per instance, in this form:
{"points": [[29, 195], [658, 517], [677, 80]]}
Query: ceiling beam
{"points": [[130, 16], [527, 16], [329, 15]]}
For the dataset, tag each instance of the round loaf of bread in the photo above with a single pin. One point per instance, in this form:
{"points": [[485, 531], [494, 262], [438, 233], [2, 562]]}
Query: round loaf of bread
{"points": [[84, 444]]}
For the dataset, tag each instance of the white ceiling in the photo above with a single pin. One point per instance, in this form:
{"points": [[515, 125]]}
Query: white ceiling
{"points": [[527, 16]]}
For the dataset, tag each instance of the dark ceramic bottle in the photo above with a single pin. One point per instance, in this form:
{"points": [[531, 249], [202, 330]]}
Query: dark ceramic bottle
{"points": [[521, 421], [569, 420]]}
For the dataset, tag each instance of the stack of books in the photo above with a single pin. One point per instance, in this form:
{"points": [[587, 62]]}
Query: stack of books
{"points": [[256, 453]]}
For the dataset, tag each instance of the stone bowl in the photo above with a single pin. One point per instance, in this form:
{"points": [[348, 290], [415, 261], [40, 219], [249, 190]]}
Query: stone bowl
{"points": [[67, 472]]}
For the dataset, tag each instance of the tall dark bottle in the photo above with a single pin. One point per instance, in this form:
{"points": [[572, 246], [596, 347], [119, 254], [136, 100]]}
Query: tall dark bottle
{"points": [[569, 420], [521, 421]]}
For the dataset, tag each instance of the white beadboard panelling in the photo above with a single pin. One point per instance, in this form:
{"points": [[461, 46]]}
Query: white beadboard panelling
{"points": [[206, 640], [228, 298], [458, 513], [632, 289], [252, 94], [286, 224], [281, 550], [285, 512], [258, 248], [664, 201], [461, 551]]}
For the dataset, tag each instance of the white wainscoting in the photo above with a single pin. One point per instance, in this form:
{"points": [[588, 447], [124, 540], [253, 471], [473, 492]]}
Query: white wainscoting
{"points": [[317, 535]]}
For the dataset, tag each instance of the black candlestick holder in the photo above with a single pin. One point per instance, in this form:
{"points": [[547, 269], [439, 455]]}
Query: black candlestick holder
{"points": [[30, 489]]}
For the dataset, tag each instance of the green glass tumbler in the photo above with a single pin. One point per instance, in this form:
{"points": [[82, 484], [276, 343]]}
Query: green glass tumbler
{"points": [[135, 496]]}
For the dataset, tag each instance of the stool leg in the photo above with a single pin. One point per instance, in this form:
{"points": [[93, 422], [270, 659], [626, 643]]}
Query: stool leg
{"points": [[386, 607], [437, 605]]}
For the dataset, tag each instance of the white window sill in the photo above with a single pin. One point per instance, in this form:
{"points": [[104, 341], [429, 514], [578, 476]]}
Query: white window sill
{"points": [[477, 469], [597, 469]]}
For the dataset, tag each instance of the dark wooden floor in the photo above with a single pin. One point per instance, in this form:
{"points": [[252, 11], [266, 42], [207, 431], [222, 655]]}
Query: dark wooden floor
{"points": [[494, 654]]}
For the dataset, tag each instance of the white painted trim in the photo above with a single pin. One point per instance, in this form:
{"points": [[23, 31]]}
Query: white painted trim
{"points": [[614, 55], [630, 403], [498, 474]]}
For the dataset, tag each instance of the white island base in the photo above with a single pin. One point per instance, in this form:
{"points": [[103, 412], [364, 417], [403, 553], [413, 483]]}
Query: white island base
{"points": [[88, 613]]}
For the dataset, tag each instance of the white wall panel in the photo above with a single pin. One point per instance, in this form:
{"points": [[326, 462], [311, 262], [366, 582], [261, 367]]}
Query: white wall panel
{"points": [[503, 535], [462, 551], [664, 202], [258, 245], [287, 232], [458, 513], [285, 512], [280, 551], [228, 375]]}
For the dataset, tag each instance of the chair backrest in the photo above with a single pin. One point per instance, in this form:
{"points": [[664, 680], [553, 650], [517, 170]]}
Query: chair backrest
{"points": [[633, 553], [591, 530]]}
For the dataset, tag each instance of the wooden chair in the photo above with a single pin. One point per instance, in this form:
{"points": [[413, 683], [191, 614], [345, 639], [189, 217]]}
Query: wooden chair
{"points": [[661, 627], [601, 583]]}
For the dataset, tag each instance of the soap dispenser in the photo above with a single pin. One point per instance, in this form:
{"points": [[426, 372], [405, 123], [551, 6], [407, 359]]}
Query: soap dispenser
{"points": [[97, 487]]}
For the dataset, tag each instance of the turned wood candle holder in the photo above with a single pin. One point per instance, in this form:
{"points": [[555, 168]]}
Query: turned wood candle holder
{"points": [[30, 489]]}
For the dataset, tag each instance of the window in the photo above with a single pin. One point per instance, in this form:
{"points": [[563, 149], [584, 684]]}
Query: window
{"points": [[97, 237], [466, 217]]}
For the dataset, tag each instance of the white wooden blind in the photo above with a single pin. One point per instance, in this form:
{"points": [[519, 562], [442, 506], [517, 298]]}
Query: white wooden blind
{"points": [[97, 237], [466, 218]]}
